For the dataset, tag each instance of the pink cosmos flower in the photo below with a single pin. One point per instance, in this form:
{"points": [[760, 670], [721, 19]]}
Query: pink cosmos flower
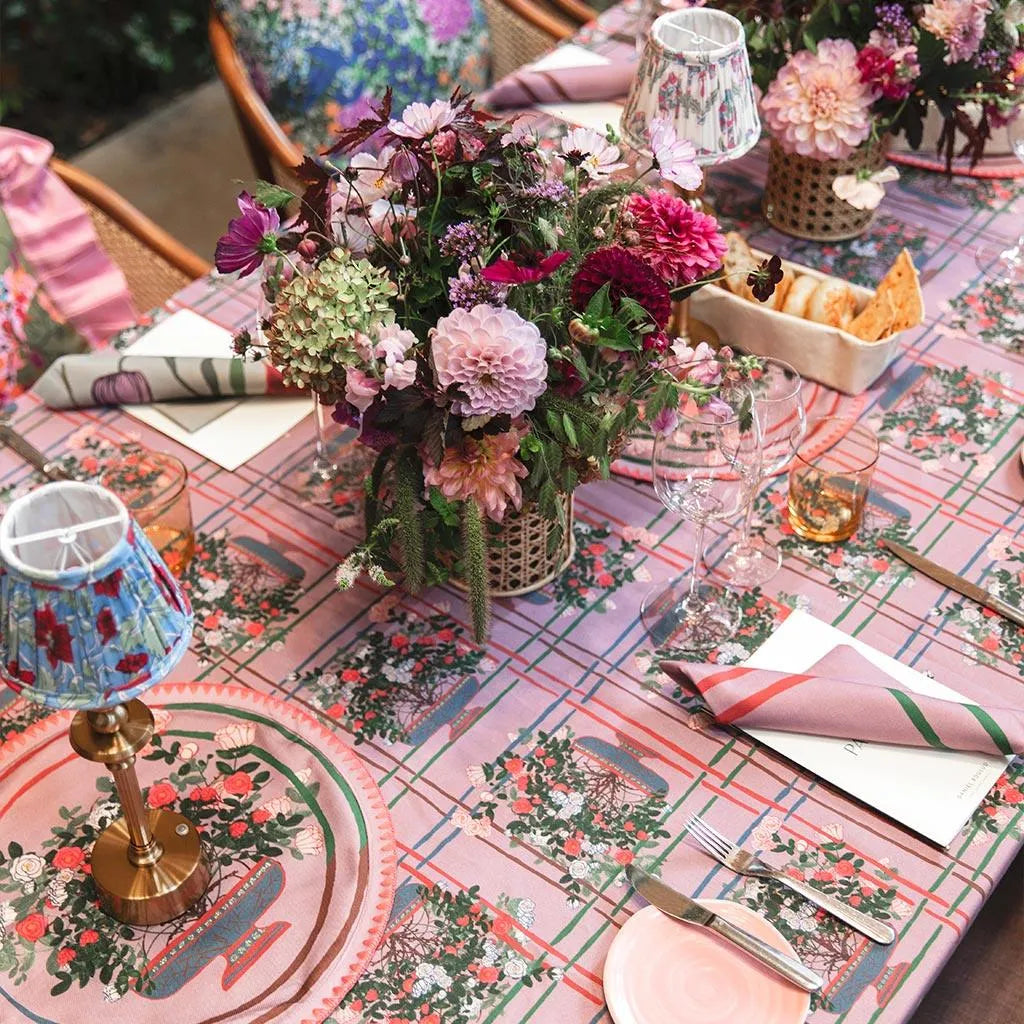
{"points": [[506, 271], [960, 24], [360, 388], [248, 238], [591, 152], [818, 105], [681, 244], [485, 469], [495, 358], [367, 179], [676, 157], [420, 121]]}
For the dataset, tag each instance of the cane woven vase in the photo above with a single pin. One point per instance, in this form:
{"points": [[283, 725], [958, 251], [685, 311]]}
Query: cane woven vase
{"points": [[798, 196], [518, 559]]}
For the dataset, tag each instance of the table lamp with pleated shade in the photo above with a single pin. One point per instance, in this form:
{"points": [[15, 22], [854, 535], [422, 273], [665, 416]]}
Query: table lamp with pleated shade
{"points": [[90, 618], [695, 73]]}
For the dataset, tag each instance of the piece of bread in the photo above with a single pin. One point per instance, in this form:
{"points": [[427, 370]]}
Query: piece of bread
{"points": [[903, 285], [738, 262], [778, 298], [798, 295], [875, 320], [832, 303]]}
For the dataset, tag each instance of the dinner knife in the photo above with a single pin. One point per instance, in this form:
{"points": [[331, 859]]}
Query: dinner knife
{"points": [[956, 583], [682, 908], [32, 455]]}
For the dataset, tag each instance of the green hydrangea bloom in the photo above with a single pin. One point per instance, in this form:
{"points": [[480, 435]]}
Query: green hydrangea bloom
{"points": [[316, 317]]}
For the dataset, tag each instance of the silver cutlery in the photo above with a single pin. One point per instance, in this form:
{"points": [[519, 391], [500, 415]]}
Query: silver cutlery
{"points": [[682, 908], [33, 456], [735, 858], [949, 579]]}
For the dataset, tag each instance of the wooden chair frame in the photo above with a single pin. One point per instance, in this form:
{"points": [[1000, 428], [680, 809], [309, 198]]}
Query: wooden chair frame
{"points": [[134, 221], [268, 145], [264, 137]]}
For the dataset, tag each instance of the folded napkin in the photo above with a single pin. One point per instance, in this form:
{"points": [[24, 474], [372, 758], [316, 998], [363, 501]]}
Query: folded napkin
{"points": [[588, 84], [846, 696], [112, 378]]}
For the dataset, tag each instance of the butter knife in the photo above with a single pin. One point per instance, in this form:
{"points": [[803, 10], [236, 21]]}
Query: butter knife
{"points": [[682, 908], [956, 583], [32, 455]]}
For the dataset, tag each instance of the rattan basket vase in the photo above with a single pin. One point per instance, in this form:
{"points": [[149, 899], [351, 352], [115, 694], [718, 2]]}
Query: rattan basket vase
{"points": [[798, 196], [518, 561]]}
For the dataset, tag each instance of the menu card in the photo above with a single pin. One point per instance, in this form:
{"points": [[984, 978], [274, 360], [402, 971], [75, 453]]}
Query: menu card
{"points": [[932, 792]]}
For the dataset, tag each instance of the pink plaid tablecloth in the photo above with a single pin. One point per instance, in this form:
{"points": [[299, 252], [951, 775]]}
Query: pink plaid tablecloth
{"points": [[522, 776]]}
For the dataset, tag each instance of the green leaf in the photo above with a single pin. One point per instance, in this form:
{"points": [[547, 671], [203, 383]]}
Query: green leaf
{"points": [[272, 196], [570, 430]]}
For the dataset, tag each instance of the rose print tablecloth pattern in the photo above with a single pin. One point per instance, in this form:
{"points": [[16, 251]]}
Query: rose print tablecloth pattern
{"points": [[523, 776], [299, 842]]}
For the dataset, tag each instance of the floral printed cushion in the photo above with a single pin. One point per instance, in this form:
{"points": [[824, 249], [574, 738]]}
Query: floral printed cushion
{"points": [[317, 62]]}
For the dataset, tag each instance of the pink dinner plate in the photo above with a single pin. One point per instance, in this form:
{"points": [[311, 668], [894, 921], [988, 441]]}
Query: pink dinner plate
{"points": [[661, 971]]}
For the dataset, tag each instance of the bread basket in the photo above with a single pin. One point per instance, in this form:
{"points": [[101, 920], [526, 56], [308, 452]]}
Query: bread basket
{"points": [[826, 354]]}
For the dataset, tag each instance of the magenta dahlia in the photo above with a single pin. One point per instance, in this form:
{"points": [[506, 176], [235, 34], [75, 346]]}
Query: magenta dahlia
{"points": [[628, 277], [680, 243]]}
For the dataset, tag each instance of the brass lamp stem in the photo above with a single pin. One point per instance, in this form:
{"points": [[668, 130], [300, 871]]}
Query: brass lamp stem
{"points": [[143, 848], [149, 865]]}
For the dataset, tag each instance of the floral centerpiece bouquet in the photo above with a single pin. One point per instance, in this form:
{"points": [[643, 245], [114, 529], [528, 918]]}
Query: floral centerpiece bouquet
{"points": [[838, 77], [491, 315]]}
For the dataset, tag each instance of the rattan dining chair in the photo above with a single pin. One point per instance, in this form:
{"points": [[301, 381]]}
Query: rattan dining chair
{"points": [[520, 31], [154, 263]]}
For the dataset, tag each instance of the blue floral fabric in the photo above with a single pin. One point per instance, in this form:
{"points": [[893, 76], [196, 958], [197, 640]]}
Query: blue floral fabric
{"points": [[316, 63]]}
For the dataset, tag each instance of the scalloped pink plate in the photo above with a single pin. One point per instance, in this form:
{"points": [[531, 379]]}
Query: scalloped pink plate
{"points": [[661, 971]]}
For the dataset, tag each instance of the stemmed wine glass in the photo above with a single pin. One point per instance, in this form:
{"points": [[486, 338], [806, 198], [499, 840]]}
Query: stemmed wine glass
{"points": [[1005, 263], [703, 469], [779, 406]]}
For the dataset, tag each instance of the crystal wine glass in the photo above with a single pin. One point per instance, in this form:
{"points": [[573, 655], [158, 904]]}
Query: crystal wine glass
{"points": [[1003, 263], [779, 406], [703, 469]]}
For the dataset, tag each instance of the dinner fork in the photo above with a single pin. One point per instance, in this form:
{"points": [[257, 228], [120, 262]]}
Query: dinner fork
{"points": [[735, 858]]}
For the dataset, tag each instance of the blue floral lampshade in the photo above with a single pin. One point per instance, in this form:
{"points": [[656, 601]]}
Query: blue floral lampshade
{"points": [[89, 614]]}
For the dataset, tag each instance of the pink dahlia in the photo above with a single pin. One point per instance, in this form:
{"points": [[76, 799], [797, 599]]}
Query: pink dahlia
{"points": [[496, 359], [818, 105], [960, 24], [680, 243], [485, 469], [627, 277]]}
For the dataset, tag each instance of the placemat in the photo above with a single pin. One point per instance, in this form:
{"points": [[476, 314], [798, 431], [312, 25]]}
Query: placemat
{"points": [[303, 859], [819, 401]]}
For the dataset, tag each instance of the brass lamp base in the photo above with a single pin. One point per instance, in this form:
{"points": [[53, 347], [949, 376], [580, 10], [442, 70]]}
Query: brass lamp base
{"points": [[146, 894], [148, 866]]}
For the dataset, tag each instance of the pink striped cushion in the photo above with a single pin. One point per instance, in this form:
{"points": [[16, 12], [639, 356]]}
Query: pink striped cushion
{"points": [[56, 242]]}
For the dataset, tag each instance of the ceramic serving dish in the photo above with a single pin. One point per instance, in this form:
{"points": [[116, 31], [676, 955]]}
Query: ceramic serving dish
{"points": [[826, 354]]}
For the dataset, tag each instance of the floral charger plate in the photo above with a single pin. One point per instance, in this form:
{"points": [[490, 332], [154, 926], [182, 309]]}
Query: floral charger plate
{"points": [[298, 836]]}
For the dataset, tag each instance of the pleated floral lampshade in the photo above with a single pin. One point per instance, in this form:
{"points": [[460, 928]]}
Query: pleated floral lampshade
{"points": [[695, 73], [89, 614]]}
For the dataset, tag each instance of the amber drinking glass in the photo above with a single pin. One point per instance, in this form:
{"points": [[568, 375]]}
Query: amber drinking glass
{"points": [[829, 479], [154, 486]]}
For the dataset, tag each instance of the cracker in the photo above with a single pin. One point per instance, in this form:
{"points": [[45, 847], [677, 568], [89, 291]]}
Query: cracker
{"points": [[875, 321]]}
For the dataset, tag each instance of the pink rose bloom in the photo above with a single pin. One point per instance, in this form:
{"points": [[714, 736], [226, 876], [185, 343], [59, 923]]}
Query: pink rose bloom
{"points": [[819, 106], [486, 470], [495, 358], [360, 388]]}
